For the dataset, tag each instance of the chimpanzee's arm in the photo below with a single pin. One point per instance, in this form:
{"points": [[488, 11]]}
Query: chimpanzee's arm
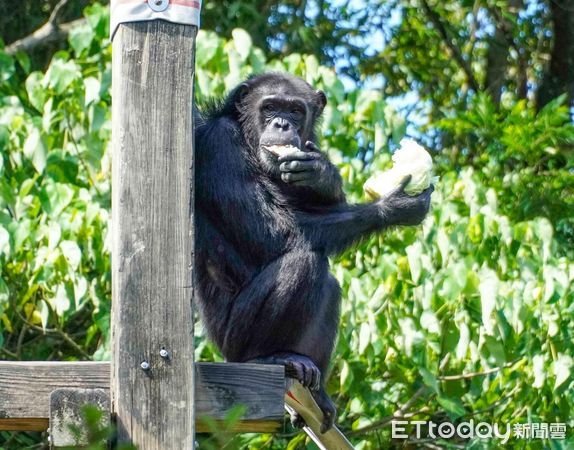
{"points": [[341, 226], [226, 192]]}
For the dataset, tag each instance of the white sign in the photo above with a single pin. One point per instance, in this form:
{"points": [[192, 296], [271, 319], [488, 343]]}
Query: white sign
{"points": [[185, 12]]}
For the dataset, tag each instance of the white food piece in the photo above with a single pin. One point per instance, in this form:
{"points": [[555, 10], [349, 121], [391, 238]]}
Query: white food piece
{"points": [[281, 150], [411, 159]]}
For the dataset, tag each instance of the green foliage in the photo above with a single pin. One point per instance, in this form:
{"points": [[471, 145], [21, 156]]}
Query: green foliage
{"points": [[526, 156], [94, 433], [483, 288]]}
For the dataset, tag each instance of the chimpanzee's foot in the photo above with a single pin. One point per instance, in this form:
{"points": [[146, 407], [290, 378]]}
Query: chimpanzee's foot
{"points": [[297, 366], [297, 421], [303, 369], [327, 407]]}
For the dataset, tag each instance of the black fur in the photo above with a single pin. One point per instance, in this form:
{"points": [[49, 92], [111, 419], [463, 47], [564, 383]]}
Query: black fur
{"points": [[264, 232]]}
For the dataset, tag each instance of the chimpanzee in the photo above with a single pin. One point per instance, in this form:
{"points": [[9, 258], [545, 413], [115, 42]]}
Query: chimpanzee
{"points": [[270, 211]]}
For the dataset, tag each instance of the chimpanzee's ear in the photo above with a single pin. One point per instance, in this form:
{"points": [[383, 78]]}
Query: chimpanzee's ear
{"points": [[241, 92], [321, 101]]}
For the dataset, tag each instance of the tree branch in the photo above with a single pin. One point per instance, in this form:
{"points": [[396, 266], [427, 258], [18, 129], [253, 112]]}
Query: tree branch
{"points": [[464, 376], [51, 31], [453, 49], [401, 413], [499, 50]]}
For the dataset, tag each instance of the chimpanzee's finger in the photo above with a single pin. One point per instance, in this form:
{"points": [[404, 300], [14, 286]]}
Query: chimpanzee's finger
{"points": [[316, 380], [298, 156], [312, 146], [291, 177], [406, 180], [298, 166]]}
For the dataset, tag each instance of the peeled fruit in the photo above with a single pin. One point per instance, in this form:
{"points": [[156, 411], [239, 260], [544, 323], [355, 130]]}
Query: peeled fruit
{"points": [[281, 150], [410, 159]]}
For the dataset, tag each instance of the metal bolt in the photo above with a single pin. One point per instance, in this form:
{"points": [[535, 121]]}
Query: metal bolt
{"points": [[163, 353], [158, 5], [144, 365]]}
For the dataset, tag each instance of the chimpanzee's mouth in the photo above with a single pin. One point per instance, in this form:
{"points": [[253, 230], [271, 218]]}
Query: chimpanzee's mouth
{"points": [[280, 150]]}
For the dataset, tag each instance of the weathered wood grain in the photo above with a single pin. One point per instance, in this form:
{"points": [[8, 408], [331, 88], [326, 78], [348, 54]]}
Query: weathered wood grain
{"points": [[66, 411], [220, 387], [25, 389], [152, 216]]}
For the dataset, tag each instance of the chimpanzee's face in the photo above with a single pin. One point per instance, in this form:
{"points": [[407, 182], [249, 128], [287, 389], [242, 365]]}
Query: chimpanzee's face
{"points": [[283, 122], [279, 117]]}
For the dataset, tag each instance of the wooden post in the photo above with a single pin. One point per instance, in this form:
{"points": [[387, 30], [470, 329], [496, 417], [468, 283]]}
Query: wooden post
{"points": [[152, 257]]}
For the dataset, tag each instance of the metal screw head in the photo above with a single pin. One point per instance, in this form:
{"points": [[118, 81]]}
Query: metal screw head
{"points": [[158, 5], [144, 365], [163, 353]]}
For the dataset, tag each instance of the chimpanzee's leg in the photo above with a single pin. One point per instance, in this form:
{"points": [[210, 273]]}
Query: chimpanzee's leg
{"points": [[318, 341], [289, 315], [275, 309]]}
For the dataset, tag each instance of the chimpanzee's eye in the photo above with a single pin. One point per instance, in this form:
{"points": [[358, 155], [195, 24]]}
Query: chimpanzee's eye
{"points": [[268, 108], [297, 114]]}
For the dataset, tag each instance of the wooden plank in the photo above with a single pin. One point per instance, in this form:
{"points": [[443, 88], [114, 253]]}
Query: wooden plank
{"points": [[24, 424], [66, 411], [220, 387], [152, 251], [25, 389]]}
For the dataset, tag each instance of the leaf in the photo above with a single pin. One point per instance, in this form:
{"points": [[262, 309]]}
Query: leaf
{"points": [[35, 149], [81, 38], [464, 340], [60, 302], [44, 314], [539, 371], [495, 350], [36, 92], [72, 253], [4, 292], [429, 379], [242, 42], [4, 242], [452, 406], [561, 369], [488, 289], [61, 74], [312, 68], [414, 253], [364, 337], [443, 244], [346, 378], [6, 322], [54, 235], [92, 90], [7, 67], [55, 197], [430, 322]]}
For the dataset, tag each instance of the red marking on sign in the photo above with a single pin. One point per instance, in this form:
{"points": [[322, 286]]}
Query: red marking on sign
{"points": [[293, 397], [190, 3]]}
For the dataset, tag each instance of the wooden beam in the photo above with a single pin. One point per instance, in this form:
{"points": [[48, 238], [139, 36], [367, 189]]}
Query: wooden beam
{"points": [[25, 389], [152, 251]]}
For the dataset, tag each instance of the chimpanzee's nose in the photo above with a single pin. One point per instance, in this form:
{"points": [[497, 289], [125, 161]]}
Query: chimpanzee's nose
{"points": [[281, 123]]}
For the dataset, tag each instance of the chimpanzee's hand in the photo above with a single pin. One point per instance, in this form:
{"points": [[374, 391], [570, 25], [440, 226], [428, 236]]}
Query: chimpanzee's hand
{"points": [[304, 168], [400, 208]]}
